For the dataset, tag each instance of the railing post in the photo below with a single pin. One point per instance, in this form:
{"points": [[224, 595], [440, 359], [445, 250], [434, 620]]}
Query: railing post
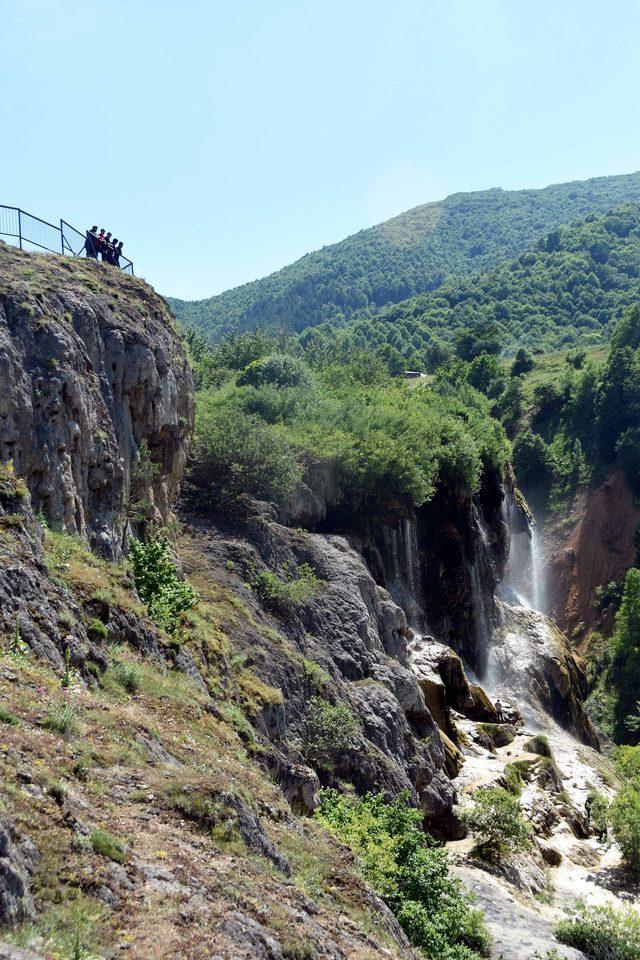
{"points": [[62, 235], [19, 228]]}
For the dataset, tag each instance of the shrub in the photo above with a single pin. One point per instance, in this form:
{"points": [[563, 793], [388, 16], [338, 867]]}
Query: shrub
{"points": [[497, 822], [166, 596], [511, 780], [540, 745], [624, 816], [533, 460], [284, 594], [97, 631], [236, 454], [280, 369], [61, 717], [128, 676], [409, 871], [329, 730], [9, 718], [627, 763], [602, 932], [107, 845], [501, 734]]}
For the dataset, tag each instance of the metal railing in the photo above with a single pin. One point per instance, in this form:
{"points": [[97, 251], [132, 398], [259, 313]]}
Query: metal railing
{"points": [[29, 231]]}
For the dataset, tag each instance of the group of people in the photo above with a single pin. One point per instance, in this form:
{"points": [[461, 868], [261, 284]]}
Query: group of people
{"points": [[100, 244]]}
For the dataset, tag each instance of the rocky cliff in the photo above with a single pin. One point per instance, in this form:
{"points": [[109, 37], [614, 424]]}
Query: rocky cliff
{"points": [[97, 400]]}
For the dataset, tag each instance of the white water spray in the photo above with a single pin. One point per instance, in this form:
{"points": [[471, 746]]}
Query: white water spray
{"points": [[524, 573]]}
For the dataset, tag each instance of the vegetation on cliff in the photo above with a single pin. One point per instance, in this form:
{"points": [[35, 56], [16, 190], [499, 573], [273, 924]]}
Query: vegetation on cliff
{"points": [[464, 234], [262, 416], [410, 872]]}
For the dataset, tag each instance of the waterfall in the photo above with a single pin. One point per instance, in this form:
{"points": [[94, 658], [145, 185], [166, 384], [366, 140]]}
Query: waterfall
{"points": [[412, 559], [524, 573], [482, 560]]}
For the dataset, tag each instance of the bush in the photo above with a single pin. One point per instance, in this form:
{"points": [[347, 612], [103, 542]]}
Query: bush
{"points": [[511, 780], [9, 718], [236, 454], [540, 745], [627, 763], [409, 872], [497, 822], [500, 734], [329, 731], [285, 594], [624, 817], [61, 717], [280, 369], [158, 584], [602, 932], [128, 676], [107, 845]]}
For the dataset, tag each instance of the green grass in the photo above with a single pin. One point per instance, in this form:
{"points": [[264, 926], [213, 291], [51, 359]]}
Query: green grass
{"points": [[106, 845]]}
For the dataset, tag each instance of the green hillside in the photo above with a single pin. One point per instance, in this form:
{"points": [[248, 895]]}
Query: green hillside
{"points": [[464, 234], [568, 289]]}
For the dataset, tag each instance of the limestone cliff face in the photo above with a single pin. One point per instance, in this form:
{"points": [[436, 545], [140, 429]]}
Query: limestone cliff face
{"points": [[92, 374]]}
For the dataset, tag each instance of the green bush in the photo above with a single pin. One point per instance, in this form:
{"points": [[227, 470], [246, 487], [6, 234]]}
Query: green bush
{"points": [[9, 718], [496, 820], [624, 817], [328, 731], [409, 872], [533, 460], [511, 780], [501, 734], [128, 676], [602, 932], [165, 595], [235, 454], [285, 594], [107, 845], [61, 717], [627, 763], [280, 369], [540, 745]]}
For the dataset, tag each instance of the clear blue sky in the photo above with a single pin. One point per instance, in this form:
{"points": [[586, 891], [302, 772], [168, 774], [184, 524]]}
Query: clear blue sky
{"points": [[222, 140]]}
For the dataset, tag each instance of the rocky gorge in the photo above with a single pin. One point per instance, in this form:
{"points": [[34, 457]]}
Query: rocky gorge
{"points": [[205, 764]]}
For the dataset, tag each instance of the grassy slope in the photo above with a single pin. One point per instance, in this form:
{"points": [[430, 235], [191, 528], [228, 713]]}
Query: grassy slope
{"points": [[102, 775], [463, 234]]}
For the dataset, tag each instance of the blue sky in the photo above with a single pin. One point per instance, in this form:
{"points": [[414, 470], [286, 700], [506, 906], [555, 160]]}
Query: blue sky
{"points": [[222, 140]]}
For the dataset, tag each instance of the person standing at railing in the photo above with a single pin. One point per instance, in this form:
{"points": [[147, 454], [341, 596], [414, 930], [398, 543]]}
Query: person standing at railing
{"points": [[101, 239], [106, 249], [115, 256], [91, 243]]}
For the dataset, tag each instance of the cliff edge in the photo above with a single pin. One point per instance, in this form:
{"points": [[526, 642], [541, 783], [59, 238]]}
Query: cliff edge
{"points": [[97, 399]]}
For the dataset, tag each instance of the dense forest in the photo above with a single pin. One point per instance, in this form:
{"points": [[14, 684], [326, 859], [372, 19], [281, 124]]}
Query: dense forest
{"points": [[568, 289], [464, 234]]}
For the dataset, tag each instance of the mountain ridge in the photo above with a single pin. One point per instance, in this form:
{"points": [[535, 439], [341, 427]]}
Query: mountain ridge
{"points": [[380, 265]]}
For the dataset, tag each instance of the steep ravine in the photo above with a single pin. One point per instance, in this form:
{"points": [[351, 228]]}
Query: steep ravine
{"points": [[408, 630]]}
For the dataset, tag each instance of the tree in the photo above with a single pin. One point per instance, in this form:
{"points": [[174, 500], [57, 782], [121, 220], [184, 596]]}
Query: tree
{"points": [[625, 666], [523, 363], [497, 822], [533, 460]]}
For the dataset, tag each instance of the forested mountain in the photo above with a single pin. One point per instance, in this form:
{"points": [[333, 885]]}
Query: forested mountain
{"points": [[464, 234], [568, 289]]}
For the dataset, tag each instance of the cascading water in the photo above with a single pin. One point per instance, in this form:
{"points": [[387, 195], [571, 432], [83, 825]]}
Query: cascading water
{"points": [[524, 572]]}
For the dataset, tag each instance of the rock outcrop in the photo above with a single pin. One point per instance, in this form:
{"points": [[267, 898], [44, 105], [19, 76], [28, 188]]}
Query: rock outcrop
{"points": [[97, 400]]}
